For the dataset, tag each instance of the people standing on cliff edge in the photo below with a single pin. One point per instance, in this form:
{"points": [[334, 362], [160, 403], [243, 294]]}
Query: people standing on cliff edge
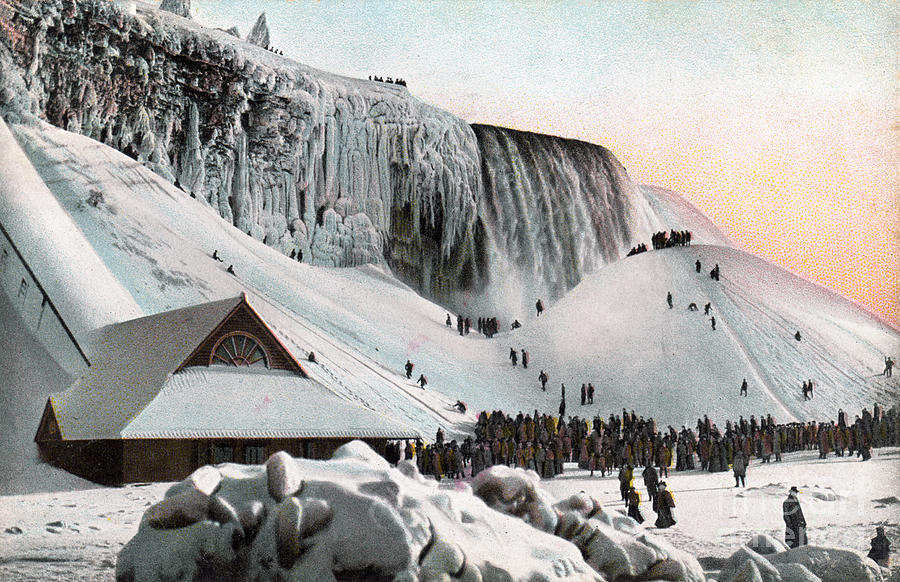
{"points": [[539, 306]]}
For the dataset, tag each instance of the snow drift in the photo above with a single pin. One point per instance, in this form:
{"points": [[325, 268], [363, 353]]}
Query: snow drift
{"points": [[355, 517]]}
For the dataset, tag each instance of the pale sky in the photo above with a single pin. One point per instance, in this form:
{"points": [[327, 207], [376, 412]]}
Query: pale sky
{"points": [[777, 119]]}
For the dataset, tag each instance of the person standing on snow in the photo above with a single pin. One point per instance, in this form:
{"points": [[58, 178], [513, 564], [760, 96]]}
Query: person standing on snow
{"points": [[744, 387], [513, 356], [794, 522], [524, 358], [740, 468], [422, 381], [664, 506], [590, 393], [539, 307], [669, 299], [633, 503], [409, 369], [881, 548], [706, 308], [651, 481], [543, 377], [697, 265], [583, 394], [888, 366], [712, 321]]}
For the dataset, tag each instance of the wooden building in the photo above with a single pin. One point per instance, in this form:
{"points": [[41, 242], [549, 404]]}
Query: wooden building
{"points": [[212, 383]]}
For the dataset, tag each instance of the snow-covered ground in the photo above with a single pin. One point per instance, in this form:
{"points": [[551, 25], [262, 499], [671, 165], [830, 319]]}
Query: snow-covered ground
{"points": [[842, 498]]}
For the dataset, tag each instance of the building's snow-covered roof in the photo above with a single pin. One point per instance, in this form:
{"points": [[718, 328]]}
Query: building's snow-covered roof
{"points": [[134, 389], [250, 403], [130, 363]]}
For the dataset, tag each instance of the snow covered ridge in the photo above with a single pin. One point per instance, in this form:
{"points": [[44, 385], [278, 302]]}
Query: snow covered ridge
{"points": [[355, 517], [341, 171]]}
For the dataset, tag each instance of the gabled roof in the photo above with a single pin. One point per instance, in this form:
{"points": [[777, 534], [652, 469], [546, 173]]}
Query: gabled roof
{"points": [[254, 403], [132, 361]]}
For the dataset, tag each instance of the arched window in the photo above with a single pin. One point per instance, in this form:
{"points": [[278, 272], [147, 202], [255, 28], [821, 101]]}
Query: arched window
{"points": [[239, 349]]}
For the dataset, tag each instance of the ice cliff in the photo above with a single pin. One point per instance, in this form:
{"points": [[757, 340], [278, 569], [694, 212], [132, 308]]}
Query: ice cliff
{"points": [[330, 170]]}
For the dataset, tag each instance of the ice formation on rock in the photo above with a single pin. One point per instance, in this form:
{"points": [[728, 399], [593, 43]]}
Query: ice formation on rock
{"points": [[259, 34], [355, 517], [180, 7], [337, 171]]}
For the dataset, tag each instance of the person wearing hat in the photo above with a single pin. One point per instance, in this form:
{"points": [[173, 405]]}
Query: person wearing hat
{"points": [[881, 548], [663, 506], [794, 522]]}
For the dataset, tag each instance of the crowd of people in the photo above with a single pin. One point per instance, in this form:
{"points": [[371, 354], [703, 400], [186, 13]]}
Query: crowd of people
{"points": [[663, 240], [487, 326], [397, 81], [543, 443]]}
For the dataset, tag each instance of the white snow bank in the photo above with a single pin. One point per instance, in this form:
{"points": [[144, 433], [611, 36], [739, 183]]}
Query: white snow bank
{"points": [[803, 564], [356, 517]]}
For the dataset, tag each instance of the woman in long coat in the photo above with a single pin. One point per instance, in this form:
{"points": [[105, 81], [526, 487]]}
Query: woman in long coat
{"points": [[663, 505]]}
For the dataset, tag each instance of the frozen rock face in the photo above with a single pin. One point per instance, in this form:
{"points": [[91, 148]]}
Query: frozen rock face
{"points": [[554, 209], [351, 518], [331, 170], [259, 34], [180, 7], [341, 171]]}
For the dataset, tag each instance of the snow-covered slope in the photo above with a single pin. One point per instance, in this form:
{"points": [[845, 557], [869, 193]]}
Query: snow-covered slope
{"points": [[614, 330]]}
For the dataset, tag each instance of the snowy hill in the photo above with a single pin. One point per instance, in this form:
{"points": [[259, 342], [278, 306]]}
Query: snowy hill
{"points": [[613, 330]]}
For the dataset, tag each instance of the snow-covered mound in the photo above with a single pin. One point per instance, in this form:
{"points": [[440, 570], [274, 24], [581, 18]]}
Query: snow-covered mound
{"points": [[355, 517], [616, 330], [803, 564]]}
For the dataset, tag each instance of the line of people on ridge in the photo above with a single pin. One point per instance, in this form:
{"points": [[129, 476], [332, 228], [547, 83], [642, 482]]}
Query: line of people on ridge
{"points": [[397, 81], [663, 240], [487, 326]]}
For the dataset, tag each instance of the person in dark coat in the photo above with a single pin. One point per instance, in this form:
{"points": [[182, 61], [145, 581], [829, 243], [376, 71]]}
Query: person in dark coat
{"points": [[539, 307], [449, 321], [663, 506], [697, 265], [583, 394], [739, 466], [712, 320], [590, 393], [881, 548], [706, 308], [669, 299], [562, 407], [744, 387], [797, 336], [422, 381], [626, 476], [543, 377], [794, 522], [409, 369], [633, 503], [513, 356], [651, 481], [524, 358]]}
